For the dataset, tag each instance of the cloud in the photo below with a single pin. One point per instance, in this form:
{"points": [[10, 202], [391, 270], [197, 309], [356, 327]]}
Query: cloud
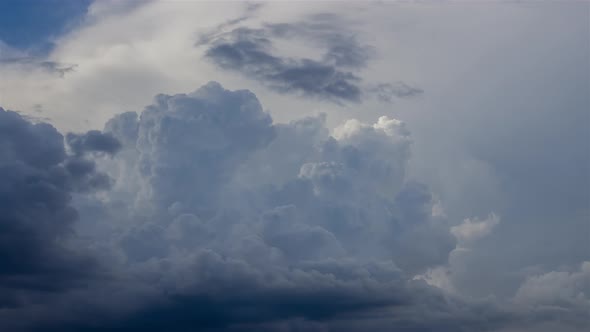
{"points": [[230, 294], [557, 289], [343, 49], [388, 91], [30, 63], [218, 219], [282, 212], [219, 251], [472, 159], [13, 57], [471, 230], [244, 52], [92, 142], [450, 276], [37, 181], [251, 52], [219, 129]]}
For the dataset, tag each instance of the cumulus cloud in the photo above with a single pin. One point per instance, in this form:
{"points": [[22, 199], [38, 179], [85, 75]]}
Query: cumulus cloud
{"points": [[203, 136], [303, 183], [37, 179], [449, 277], [471, 230], [558, 289], [314, 242], [219, 219]]}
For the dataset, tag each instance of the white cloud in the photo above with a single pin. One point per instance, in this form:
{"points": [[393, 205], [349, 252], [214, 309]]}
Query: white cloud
{"points": [[473, 229], [448, 277], [559, 289]]}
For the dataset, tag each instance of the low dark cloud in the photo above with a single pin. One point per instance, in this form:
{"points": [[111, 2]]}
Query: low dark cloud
{"points": [[334, 77], [92, 141], [228, 294], [37, 181], [249, 52]]}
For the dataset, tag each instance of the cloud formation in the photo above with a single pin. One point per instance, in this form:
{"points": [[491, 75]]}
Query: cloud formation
{"points": [[201, 236], [218, 219], [92, 142], [256, 230], [251, 52], [37, 179]]}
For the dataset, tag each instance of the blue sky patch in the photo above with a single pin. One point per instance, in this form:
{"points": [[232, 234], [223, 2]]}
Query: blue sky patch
{"points": [[33, 24]]}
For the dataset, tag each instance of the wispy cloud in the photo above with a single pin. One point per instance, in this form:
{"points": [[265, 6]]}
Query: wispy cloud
{"points": [[334, 77]]}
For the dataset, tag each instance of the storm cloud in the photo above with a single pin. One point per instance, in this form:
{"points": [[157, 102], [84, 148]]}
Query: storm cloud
{"points": [[38, 179], [349, 209], [92, 142], [218, 219], [200, 233]]}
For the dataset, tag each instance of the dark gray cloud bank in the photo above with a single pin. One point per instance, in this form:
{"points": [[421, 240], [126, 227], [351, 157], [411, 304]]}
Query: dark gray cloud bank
{"points": [[334, 77], [201, 214], [38, 179]]}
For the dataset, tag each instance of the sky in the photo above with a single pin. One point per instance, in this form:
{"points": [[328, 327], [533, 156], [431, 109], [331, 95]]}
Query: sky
{"points": [[294, 166]]}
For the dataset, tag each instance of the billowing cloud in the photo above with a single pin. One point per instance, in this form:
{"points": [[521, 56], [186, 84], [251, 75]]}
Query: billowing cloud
{"points": [[557, 289], [37, 181], [218, 219], [314, 242], [212, 216]]}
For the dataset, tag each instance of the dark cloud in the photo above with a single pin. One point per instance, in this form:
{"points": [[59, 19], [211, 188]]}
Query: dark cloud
{"points": [[84, 176], [93, 141], [262, 223], [248, 52], [343, 49], [251, 52], [219, 220], [388, 91], [217, 251], [37, 181], [229, 294], [123, 127]]}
